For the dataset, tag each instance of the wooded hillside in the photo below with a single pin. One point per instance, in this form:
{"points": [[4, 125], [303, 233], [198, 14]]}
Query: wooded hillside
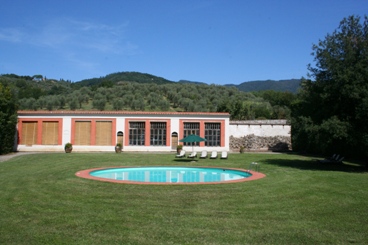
{"points": [[144, 92]]}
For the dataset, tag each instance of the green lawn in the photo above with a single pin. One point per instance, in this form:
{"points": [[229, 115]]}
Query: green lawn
{"points": [[299, 202]]}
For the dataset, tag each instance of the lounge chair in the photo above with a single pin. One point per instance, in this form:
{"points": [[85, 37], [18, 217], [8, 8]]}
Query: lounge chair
{"points": [[224, 155], [213, 155], [329, 159], [334, 159], [334, 156], [181, 154], [203, 154], [193, 154], [339, 160]]}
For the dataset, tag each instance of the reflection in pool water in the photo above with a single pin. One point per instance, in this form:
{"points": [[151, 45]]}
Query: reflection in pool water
{"points": [[171, 174]]}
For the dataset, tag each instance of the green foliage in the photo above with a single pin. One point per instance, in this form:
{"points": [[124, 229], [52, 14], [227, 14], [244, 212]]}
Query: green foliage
{"points": [[122, 77], [8, 119], [73, 104], [246, 109], [99, 104], [280, 98], [68, 145], [117, 104], [290, 86], [330, 114], [145, 92]]}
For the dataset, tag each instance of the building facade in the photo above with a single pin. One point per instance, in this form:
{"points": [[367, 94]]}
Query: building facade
{"points": [[136, 131]]}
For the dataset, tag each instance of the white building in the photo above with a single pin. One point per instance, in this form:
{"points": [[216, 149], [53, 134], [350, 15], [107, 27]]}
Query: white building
{"points": [[137, 131]]}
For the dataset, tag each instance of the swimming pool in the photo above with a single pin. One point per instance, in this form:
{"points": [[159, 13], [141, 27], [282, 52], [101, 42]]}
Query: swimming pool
{"points": [[170, 175]]}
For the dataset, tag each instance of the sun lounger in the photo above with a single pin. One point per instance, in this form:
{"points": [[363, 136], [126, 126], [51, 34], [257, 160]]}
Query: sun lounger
{"points": [[203, 154], [334, 159], [181, 154], [213, 155], [193, 154], [224, 155], [334, 156], [340, 160]]}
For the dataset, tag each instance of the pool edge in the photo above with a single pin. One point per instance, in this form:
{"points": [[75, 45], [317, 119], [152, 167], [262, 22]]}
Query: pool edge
{"points": [[86, 175]]}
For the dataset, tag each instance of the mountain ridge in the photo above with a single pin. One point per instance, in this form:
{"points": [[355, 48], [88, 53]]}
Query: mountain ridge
{"points": [[285, 85]]}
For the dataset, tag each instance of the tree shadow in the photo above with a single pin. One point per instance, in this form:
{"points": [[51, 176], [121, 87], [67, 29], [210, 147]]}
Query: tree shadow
{"points": [[279, 147], [313, 164]]}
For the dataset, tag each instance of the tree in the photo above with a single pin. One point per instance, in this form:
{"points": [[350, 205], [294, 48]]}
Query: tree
{"points": [[164, 105], [73, 104], [8, 119], [277, 97], [330, 114], [117, 104], [99, 104], [37, 77], [99, 100]]}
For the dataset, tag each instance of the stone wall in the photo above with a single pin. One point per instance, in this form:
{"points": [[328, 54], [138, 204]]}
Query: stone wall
{"points": [[260, 143]]}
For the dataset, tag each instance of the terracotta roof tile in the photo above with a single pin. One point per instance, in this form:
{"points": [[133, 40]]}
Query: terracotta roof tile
{"points": [[122, 113]]}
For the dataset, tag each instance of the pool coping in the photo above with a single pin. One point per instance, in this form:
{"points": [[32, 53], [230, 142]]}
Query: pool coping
{"points": [[86, 175]]}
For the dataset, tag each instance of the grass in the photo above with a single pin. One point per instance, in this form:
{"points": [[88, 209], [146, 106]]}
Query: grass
{"points": [[299, 202]]}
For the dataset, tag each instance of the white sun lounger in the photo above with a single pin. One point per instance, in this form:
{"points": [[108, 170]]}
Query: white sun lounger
{"points": [[193, 154], [182, 154], [213, 155], [204, 154], [224, 155]]}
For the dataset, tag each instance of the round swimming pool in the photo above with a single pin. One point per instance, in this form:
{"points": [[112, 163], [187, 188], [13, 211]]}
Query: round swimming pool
{"points": [[170, 175]]}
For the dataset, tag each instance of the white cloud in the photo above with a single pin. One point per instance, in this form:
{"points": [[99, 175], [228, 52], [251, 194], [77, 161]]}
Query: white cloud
{"points": [[70, 34], [11, 35], [82, 46], [65, 34], [82, 64]]}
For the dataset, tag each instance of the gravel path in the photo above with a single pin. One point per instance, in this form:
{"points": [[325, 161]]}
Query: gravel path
{"points": [[6, 157]]}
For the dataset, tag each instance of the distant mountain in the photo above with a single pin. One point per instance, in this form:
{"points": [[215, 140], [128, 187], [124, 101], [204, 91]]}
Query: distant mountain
{"points": [[38, 85], [123, 77], [187, 81], [291, 85]]}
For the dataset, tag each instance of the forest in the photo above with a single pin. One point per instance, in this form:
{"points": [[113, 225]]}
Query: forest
{"points": [[134, 91]]}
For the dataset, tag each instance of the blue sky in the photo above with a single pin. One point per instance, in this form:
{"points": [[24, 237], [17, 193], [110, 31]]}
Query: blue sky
{"points": [[214, 41]]}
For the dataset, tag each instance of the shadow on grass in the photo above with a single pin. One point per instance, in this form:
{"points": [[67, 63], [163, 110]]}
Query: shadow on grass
{"points": [[185, 160], [315, 165]]}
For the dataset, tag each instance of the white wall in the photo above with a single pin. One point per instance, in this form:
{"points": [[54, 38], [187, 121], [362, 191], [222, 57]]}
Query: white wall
{"points": [[266, 128]]}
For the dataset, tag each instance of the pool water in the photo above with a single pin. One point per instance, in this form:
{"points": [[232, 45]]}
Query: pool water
{"points": [[171, 174]]}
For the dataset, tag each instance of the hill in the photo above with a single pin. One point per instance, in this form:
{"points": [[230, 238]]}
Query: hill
{"points": [[45, 85], [192, 82], [291, 85], [132, 91], [119, 77]]}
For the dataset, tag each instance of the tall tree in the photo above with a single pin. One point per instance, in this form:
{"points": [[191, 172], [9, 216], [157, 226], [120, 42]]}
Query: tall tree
{"points": [[330, 114], [8, 119]]}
